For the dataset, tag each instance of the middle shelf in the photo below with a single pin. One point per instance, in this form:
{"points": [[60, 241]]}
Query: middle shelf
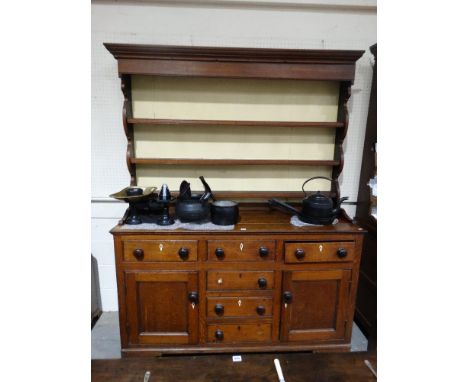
{"points": [[232, 162], [209, 122]]}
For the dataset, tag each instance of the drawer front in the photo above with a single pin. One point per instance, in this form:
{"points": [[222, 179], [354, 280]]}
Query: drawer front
{"points": [[231, 333], [241, 250], [229, 280], [319, 251], [164, 250], [238, 307]]}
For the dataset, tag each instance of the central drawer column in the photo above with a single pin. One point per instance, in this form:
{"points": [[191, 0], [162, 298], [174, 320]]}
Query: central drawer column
{"points": [[239, 302]]}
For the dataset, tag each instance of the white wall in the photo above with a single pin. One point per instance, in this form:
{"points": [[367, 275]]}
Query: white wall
{"points": [[331, 24]]}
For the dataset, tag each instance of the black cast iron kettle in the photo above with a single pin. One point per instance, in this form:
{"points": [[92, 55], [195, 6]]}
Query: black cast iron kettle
{"points": [[316, 208]]}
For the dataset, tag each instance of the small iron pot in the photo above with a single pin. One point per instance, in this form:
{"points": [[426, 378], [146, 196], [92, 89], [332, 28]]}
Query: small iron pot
{"points": [[224, 212], [193, 209]]}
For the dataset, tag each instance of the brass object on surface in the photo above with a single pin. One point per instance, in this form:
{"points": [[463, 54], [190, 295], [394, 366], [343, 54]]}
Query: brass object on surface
{"points": [[122, 194]]}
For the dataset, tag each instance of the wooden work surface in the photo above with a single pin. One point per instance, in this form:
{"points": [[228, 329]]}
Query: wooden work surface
{"points": [[258, 220], [296, 367]]}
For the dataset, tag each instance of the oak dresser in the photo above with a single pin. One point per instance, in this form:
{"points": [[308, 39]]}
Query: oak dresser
{"points": [[255, 123]]}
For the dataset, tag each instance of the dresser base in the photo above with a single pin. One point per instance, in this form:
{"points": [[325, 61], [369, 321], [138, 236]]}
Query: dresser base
{"points": [[171, 350]]}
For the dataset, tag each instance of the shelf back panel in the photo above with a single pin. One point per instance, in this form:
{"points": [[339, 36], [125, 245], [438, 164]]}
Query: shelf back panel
{"points": [[238, 142], [235, 178], [234, 99]]}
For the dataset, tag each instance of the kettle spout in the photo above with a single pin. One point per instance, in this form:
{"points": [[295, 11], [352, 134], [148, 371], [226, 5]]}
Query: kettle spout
{"points": [[337, 209], [274, 202]]}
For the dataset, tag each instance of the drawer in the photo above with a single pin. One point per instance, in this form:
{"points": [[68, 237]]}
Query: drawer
{"points": [[238, 307], [228, 280], [231, 333], [160, 250], [241, 250], [318, 251]]}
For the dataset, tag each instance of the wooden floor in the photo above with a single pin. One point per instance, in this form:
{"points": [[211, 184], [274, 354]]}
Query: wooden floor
{"points": [[339, 367]]}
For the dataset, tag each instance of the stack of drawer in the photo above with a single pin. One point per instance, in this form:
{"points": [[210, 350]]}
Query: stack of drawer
{"points": [[239, 302]]}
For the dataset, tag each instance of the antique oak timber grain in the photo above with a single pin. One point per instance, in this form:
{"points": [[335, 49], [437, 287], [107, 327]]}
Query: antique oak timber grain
{"points": [[242, 290], [264, 286]]}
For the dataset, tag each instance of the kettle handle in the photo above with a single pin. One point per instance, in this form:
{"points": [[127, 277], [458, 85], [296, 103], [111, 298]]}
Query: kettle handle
{"points": [[316, 177]]}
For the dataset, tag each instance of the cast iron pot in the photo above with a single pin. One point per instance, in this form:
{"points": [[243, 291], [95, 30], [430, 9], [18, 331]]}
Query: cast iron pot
{"points": [[224, 212], [316, 208], [193, 209]]}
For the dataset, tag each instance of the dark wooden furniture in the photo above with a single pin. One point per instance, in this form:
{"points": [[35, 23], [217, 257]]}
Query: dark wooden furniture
{"points": [[307, 367], [366, 305], [266, 285]]}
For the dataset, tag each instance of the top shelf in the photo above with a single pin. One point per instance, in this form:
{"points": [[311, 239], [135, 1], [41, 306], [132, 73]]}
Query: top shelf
{"points": [[199, 122]]}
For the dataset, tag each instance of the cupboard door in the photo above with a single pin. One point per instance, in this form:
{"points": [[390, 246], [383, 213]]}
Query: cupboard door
{"points": [[162, 307], [314, 304]]}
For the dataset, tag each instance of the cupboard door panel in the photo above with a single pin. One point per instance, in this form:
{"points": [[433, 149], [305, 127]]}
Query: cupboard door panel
{"points": [[314, 304], [160, 308]]}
